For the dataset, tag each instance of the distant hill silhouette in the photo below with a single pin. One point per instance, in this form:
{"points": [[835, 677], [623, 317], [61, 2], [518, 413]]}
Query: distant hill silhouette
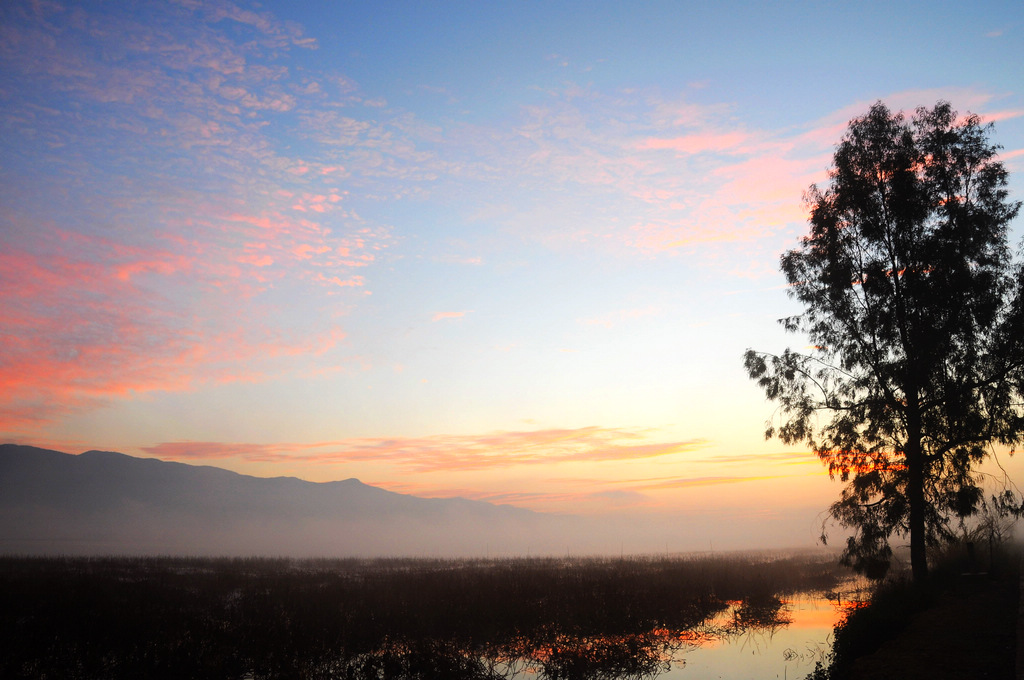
{"points": [[101, 502]]}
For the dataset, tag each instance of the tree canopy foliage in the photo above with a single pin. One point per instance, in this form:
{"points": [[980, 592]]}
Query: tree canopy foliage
{"points": [[914, 310]]}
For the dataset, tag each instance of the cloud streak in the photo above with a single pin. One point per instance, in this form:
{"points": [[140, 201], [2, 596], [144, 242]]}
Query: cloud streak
{"points": [[448, 453], [441, 316]]}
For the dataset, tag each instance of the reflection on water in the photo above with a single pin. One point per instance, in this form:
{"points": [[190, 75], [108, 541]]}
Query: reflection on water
{"points": [[786, 648], [759, 638]]}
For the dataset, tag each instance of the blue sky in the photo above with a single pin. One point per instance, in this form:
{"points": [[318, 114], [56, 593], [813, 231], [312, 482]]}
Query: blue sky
{"points": [[510, 251]]}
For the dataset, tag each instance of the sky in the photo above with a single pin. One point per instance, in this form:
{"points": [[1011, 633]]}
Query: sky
{"points": [[509, 251]]}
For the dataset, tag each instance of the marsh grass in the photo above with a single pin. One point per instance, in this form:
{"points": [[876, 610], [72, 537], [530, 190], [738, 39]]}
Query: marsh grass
{"points": [[390, 618]]}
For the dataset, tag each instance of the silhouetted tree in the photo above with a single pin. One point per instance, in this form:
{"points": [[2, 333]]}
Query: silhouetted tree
{"points": [[914, 311]]}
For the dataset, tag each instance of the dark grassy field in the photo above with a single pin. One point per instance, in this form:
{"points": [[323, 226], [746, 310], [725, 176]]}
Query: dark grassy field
{"points": [[279, 618]]}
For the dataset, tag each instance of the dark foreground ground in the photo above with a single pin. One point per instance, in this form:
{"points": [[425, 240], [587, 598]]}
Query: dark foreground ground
{"points": [[969, 631], [266, 619]]}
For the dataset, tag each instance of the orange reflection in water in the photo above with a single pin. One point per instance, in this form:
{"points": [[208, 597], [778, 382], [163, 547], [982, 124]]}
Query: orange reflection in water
{"points": [[789, 646], [819, 612]]}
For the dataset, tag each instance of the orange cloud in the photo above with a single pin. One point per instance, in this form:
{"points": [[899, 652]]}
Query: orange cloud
{"points": [[686, 482], [779, 457]]}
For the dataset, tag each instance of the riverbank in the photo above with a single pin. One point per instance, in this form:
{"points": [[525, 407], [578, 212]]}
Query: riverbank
{"points": [[968, 630]]}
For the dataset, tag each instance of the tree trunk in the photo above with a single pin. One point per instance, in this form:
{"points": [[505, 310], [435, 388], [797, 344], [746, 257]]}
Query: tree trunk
{"points": [[915, 497]]}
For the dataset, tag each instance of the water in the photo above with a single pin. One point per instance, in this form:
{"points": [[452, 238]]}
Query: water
{"points": [[787, 651], [746, 641]]}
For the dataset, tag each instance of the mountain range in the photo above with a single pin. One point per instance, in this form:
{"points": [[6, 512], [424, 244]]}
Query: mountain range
{"points": [[101, 502], [106, 503]]}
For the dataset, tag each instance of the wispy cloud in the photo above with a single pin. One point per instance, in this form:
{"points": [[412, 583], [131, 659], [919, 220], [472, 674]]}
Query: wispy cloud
{"points": [[784, 457], [729, 142], [640, 175], [643, 175], [686, 482], [449, 452], [441, 316]]}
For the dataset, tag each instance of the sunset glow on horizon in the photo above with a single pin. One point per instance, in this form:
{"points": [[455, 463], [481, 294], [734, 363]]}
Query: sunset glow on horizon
{"points": [[510, 252]]}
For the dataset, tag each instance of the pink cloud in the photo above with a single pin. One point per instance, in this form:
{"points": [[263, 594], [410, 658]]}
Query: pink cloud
{"points": [[67, 347], [305, 251], [996, 116], [262, 221], [256, 260], [341, 283], [698, 143], [440, 316], [721, 183], [449, 452], [687, 197], [84, 324], [770, 179], [307, 246]]}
